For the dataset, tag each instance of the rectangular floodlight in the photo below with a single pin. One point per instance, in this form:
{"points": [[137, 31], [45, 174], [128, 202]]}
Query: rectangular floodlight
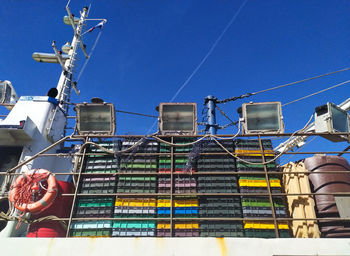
{"points": [[48, 57], [262, 117], [178, 118], [332, 119], [7, 93], [95, 118]]}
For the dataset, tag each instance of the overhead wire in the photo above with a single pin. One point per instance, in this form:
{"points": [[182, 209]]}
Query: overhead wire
{"points": [[301, 81], [280, 86], [134, 113], [223, 113], [210, 50], [315, 93]]}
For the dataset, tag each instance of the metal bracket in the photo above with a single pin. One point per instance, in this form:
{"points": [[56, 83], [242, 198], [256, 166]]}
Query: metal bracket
{"points": [[71, 18], [58, 55]]}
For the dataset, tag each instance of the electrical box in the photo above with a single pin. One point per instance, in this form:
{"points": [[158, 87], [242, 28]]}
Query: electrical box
{"points": [[262, 117], [178, 118], [95, 118], [332, 119]]}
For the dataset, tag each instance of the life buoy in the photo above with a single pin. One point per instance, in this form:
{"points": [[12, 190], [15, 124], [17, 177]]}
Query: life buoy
{"points": [[29, 184]]}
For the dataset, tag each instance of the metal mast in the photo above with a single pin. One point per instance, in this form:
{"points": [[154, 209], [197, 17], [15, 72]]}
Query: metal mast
{"points": [[210, 101], [65, 82]]}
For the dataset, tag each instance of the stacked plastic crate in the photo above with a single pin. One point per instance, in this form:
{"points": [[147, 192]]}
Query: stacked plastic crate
{"points": [[256, 206], [214, 159], [185, 207], [183, 183], [97, 161], [136, 157], [134, 208]]}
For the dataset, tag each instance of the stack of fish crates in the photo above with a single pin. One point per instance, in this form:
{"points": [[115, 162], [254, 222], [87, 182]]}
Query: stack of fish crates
{"points": [[138, 160], [183, 207], [214, 159], [134, 208], [255, 206], [97, 178], [184, 183]]}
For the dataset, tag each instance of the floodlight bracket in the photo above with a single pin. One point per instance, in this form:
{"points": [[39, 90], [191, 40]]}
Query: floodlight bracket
{"points": [[58, 55], [71, 18]]}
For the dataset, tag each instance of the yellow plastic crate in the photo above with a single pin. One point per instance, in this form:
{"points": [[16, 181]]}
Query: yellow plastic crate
{"points": [[243, 152], [186, 203], [163, 203], [163, 225], [136, 202], [178, 203], [181, 225], [258, 183], [264, 225], [187, 225]]}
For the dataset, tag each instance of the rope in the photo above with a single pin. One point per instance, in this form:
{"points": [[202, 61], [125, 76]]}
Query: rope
{"points": [[313, 94], [25, 190], [286, 160], [210, 50], [5, 216]]}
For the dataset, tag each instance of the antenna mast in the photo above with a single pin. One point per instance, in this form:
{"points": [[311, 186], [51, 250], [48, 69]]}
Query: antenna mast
{"points": [[65, 82]]}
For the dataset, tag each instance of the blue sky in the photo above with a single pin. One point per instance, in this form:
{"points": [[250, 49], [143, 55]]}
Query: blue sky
{"points": [[149, 48]]}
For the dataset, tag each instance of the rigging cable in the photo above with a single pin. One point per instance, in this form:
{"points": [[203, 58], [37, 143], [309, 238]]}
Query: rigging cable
{"points": [[204, 58], [232, 122], [91, 52], [282, 86], [210, 50], [133, 113], [318, 92]]}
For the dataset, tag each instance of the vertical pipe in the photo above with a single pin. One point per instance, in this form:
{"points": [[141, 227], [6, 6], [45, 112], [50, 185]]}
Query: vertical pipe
{"points": [[268, 187], [210, 101], [82, 158], [172, 167]]}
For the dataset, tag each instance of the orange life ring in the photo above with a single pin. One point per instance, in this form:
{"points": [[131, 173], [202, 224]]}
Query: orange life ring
{"points": [[41, 204]]}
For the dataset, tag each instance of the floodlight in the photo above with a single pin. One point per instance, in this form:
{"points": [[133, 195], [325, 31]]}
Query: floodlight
{"points": [[66, 20], [332, 119], [262, 117], [178, 118], [8, 94], [48, 57], [95, 118], [66, 47]]}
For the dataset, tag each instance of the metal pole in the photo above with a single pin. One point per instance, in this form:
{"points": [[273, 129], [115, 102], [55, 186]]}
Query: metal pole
{"points": [[64, 83], [210, 101]]}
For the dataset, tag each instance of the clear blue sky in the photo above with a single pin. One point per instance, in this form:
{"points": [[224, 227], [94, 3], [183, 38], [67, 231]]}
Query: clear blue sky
{"points": [[149, 48]]}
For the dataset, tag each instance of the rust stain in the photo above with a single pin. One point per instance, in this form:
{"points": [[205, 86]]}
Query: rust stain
{"points": [[92, 245], [49, 246], [136, 245], [222, 246]]}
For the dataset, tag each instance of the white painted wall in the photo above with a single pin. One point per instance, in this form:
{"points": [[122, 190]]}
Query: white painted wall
{"points": [[174, 246]]}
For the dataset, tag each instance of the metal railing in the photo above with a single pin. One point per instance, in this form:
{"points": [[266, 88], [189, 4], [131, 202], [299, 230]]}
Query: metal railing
{"points": [[78, 173]]}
